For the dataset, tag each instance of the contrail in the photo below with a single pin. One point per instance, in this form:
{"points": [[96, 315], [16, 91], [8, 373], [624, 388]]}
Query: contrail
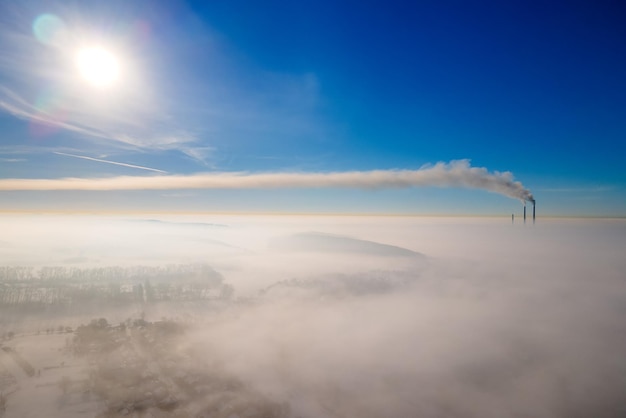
{"points": [[457, 173], [110, 162]]}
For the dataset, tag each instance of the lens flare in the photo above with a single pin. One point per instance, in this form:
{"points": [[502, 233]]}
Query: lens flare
{"points": [[49, 29], [51, 112]]}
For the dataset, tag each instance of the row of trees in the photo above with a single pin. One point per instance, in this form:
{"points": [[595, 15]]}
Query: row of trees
{"points": [[110, 273], [69, 290]]}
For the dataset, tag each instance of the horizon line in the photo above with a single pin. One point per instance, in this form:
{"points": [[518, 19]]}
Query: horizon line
{"points": [[275, 213]]}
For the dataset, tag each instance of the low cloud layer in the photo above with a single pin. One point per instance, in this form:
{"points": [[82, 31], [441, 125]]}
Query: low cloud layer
{"points": [[342, 317], [453, 174]]}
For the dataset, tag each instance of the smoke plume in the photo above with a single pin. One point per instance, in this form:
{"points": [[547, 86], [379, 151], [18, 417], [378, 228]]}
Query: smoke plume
{"points": [[458, 173]]}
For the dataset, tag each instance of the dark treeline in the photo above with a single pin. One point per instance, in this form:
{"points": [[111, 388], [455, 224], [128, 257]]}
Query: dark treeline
{"points": [[108, 273], [71, 290]]}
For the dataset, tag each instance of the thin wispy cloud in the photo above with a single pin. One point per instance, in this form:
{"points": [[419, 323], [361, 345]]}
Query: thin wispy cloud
{"points": [[118, 134], [453, 174], [111, 162], [15, 105]]}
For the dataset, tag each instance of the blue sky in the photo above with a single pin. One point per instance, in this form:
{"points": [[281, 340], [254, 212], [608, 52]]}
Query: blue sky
{"points": [[532, 88]]}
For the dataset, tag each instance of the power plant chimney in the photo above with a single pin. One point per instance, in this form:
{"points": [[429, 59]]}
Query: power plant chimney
{"points": [[534, 211], [524, 213]]}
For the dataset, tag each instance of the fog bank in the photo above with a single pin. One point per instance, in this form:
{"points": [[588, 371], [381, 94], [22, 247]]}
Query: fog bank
{"points": [[361, 316]]}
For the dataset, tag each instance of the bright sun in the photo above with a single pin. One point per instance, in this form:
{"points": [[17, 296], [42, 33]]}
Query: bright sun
{"points": [[97, 66]]}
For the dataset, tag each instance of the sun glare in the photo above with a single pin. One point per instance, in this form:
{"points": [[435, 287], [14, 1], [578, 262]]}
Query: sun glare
{"points": [[98, 66]]}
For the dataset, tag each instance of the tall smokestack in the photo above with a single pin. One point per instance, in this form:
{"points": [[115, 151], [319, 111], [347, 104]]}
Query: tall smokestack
{"points": [[534, 211], [524, 213]]}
